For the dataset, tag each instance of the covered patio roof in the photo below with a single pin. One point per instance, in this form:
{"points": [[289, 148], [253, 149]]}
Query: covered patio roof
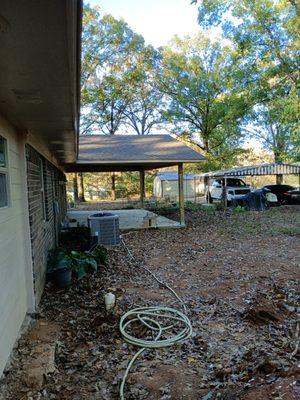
{"points": [[108, 153], [255, 170]]}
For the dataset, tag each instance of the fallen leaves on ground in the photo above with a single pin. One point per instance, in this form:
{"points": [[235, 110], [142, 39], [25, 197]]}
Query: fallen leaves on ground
{"points": [[239, 277]]}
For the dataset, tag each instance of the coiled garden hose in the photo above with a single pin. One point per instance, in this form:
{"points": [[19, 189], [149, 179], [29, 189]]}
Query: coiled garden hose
{"points": [[168, 326]]}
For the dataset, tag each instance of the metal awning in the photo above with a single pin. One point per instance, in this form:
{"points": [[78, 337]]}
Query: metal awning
{"points": [[112, 153], [255, 170]]}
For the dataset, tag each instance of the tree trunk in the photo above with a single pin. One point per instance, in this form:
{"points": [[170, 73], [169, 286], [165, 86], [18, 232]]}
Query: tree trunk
{"points": [[81, 182], [75, 188], [278, 160], [142, 188], [206, 145], [113, 186]]}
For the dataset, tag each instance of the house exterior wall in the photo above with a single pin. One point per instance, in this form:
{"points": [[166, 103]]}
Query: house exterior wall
{"points": [[47, 209], [27, 231], [16, 289]]}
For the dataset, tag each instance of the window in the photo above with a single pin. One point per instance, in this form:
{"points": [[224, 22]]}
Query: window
{"points": [[217, 183], [236, 182], [3, 173]]}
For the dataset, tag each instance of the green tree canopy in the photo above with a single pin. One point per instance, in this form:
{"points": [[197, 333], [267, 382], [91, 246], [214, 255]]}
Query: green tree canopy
{"points": [[266, 35], [117, 77], [207, 93]]}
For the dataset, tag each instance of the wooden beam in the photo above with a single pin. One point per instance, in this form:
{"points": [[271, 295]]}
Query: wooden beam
{"points": [[181, 193], [142, 188]]}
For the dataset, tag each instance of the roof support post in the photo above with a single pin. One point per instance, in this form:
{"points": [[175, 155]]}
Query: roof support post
{"points": [[142, 188], [225, 192], [181, 194], [279, 179]]}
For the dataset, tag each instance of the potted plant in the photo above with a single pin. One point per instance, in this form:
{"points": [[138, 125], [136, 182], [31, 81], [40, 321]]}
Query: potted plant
{"points": [[60, 267], [63, 263], [63, 272]]}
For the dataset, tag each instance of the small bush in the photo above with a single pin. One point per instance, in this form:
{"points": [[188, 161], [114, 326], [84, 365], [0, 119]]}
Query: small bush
{"points": [[100, 254], [82, 263], [191, 206], [239, 209]]}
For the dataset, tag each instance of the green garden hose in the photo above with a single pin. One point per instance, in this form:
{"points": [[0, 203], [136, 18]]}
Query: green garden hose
{"points": [[168, 326]]}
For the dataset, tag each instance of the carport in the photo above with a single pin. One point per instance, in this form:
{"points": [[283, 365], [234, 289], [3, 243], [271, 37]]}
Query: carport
{"points": [[277, 169], [117, 153]]}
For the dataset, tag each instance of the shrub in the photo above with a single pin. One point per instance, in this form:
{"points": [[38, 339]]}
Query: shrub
{"points": [[100, 254], [239, 209], [82, 263]]}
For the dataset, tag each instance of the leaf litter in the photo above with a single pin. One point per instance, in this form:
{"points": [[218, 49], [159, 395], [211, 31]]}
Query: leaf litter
{"points": [[239, 277]]}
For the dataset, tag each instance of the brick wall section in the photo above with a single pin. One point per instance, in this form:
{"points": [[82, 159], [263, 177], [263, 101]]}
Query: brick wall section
{"points": [[43, 220]]}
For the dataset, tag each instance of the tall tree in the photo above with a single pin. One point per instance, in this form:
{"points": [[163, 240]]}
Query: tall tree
{"points": [[144, 110], [109, 57], [109, 98], [266, 34], [275, 135], [267, 30], [81, 185], [207, 92], [110, 52], [75, 188]]}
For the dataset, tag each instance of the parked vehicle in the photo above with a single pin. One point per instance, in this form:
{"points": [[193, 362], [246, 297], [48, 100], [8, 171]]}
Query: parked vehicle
{"points": [[259, 199], [235, 188], [293, 196], [286, 194]]}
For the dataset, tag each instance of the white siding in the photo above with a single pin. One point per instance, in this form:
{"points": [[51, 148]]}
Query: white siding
{"points": [[16, 293]]}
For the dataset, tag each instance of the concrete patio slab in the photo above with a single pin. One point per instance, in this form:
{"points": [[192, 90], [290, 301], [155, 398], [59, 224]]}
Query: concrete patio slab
{"points": [[128, 219]]}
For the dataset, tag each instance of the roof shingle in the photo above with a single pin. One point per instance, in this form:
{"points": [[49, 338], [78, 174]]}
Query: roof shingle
{"points": [[131, 152]]}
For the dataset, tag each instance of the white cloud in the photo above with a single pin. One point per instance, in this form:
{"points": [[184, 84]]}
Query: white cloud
{"points": [[157, 20]]}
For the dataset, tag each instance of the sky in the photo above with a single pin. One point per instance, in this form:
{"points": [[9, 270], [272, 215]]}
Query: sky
{"points": [[157, 20]]}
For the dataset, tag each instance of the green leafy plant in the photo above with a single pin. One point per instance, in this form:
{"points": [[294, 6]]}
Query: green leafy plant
{"points": [[239, 209], [191, 206], [82, 263], [100, 254], [79, 262], [58, 259]]}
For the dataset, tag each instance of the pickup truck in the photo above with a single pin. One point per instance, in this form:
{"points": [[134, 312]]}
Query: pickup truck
{"points": [[235, 188]]}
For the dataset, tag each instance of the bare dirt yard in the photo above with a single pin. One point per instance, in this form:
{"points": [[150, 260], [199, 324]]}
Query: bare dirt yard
{"points": [[239, 276]]}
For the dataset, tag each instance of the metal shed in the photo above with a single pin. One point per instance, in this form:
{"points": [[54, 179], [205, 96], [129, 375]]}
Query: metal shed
{"points": [[166, 183]]}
